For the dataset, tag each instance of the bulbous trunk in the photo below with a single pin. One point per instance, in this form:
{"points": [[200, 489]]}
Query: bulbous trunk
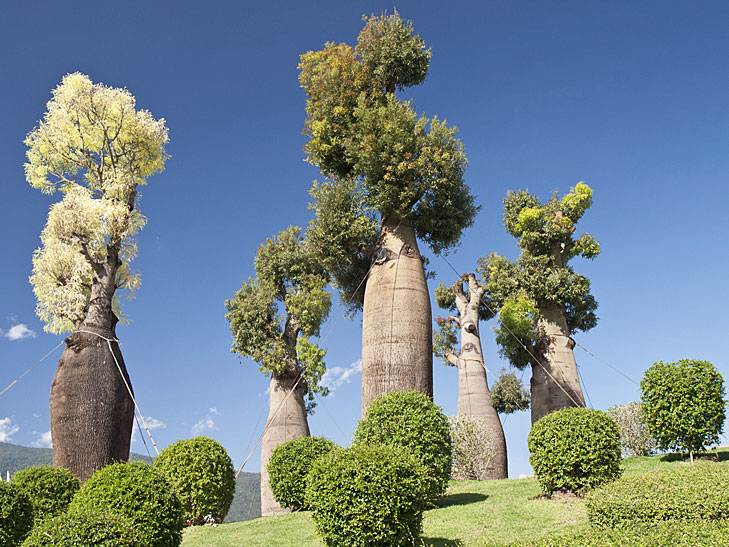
{"points": [[562, 389], [396, 320], [290, 423], [91, 411], [474, 395]]}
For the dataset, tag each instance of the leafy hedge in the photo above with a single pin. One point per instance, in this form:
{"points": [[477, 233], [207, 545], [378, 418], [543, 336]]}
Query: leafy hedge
{"points": [[84, 528], [50, 489], [411, 420], [367, 495], [665, 534], [138, 492], [16, 514], [574, 449], [202, 475], [288, 466], [693, 492]]}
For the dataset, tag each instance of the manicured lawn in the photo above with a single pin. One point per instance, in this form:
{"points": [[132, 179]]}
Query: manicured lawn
{"points": [[473, 513]]}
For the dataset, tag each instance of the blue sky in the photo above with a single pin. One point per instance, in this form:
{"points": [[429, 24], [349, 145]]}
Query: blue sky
{"points": [[630, 97]]}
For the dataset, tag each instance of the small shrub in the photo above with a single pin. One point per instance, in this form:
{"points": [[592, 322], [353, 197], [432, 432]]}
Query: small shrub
{"points": [[635, 438], [696, 492], [473, 447], [665, 534], [411, 420], [202, 475], [16, 514], [508, 394], [288, 466], [683, 404], [85, 528], [574, 449], [138, 492], [50, 489], [367, 495]]}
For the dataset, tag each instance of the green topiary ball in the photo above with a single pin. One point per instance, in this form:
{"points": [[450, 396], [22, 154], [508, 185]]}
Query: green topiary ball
{"points": [[367, 495], [574, 449], [16, 514], [288, 466], [203, 477], [81, 527], [138, 492], [411, 420], [50, 489]]}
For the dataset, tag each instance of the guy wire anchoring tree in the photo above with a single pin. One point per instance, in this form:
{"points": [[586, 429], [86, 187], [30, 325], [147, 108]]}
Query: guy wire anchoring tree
{"points": [[271, 318], [541, 300], [392, 175], [96, 148], [474, 397]]}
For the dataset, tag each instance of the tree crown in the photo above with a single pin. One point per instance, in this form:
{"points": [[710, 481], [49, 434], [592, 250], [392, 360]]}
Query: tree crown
{"points": [[273, 315], [96, 147]]}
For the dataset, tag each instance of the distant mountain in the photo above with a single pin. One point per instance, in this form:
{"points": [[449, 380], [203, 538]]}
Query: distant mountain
{"points": [[246, 502]]}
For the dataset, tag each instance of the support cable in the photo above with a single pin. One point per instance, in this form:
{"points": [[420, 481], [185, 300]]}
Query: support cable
{"points": [[31, 368], [606, 363]]}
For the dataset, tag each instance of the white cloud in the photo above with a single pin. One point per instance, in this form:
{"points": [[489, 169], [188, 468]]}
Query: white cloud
{"points": [[12, 318], [334, 377], [154, 423], [7, 430], [19, 332], [207, 423], [43, 440]]}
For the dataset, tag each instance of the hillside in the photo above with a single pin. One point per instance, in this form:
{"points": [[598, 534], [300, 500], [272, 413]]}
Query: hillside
{"points": [[473, 513], [246, 503]]}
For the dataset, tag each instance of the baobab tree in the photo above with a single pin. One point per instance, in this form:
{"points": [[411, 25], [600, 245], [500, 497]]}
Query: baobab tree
{"points": [[97, 149], [392, 177], [468, 308], [272, 317], [541, 300]]}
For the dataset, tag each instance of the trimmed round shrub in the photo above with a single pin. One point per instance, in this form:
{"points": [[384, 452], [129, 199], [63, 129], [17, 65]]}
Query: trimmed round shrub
{"points": [[665, 534], [683, 404], [81, 527], [367, 495], [138, 492], [50, 489], [288, 466], [411, 420], [16, 514], [202, 475], [696, 492], [574, 449]]}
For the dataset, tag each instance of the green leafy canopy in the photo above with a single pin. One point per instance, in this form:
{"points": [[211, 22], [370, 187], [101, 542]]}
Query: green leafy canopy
{"points": [[273, 315]]}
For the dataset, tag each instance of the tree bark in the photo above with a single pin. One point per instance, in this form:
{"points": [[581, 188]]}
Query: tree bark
{"points": [[474, 395], [290, 423], [396, 321], [556, 358], [92, 413]]}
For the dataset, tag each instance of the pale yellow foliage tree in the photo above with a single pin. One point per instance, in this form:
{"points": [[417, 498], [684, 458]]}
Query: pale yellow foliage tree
{"points": [[97, 148]]}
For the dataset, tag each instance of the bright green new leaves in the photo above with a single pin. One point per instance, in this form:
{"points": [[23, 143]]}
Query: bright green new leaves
{"points": [[683, 404], [272, 315], [370, 144], [541, 275], [97, 148]]}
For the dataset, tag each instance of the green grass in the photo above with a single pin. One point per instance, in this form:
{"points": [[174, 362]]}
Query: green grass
{"points": [[473, 513]]}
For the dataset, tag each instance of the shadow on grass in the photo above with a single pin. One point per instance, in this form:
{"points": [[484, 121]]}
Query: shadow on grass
{"points": [[438, 542], [460, 499], [712, 455]]}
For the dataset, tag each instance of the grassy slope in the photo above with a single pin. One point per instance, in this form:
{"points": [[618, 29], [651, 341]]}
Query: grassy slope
{"points": [[473, 513]]}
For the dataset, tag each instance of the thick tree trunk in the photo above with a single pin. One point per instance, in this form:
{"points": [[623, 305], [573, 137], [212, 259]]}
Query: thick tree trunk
{"points": [[555, 384], [396, 320], [91, 411], [290, 423], [474, 395]]}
